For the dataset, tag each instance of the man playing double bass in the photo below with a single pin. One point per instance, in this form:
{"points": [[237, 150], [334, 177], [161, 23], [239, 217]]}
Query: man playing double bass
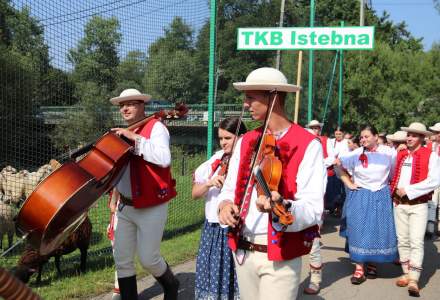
{"points": [[144, 190], [267, 255]]}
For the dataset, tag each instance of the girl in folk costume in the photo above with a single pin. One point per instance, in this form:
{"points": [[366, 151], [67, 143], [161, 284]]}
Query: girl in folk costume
{"points": [[433, 205], [215, 272], [368, 223], [416, 177]]}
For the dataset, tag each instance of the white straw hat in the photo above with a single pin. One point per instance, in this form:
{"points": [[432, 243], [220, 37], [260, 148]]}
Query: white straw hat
{"points": [[314, 123], [418, 128], [130, 94], [435, 128], [398, 136], [266, 79]]}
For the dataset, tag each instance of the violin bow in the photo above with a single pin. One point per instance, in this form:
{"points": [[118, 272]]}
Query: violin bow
{"points": [[260, 143]]}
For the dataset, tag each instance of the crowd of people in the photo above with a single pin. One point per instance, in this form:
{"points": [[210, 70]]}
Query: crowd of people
{"points": [[260, 223]]}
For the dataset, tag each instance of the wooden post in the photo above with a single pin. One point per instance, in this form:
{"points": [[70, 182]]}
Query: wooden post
{"points": [[298, 83]]}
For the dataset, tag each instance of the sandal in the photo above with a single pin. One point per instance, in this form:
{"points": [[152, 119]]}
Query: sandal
{"points": [[402, 281], [358, 276], [371, 271]]}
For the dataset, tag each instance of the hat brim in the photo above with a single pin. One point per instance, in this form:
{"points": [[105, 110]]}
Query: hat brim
{"points": [[315, 125], [436, 129], [246, 86], [423, 132], [141, 97], [397, 140]]}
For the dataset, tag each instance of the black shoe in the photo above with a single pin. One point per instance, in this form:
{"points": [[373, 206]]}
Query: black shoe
{"points": [[357, 280], [170, 285], [128, 288], [371, 271]]}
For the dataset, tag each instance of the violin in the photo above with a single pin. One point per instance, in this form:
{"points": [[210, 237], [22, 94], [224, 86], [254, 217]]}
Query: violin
{"points": [[224, 164], [268, 176]]}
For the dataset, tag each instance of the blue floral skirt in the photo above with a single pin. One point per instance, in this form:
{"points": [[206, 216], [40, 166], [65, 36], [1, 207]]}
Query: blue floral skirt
{"points": [[368, 226], [215, 271]]}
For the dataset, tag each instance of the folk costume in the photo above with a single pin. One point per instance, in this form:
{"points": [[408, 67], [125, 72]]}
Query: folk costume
{"points": [[145, 188], [417, 172], [433, 204], [335, 193], [215, 271], [268, 255], [315, 257], [367, 220]]}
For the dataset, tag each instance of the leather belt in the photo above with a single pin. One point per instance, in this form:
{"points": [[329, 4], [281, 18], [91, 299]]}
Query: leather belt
{"points": [[405, 200], [245, 245], [126, 201]]}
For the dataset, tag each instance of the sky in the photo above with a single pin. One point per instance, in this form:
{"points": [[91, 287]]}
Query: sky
{"points": [[143, 21], [422, 18]]}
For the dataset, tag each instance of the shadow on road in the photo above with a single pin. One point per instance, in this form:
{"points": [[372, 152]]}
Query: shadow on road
{"points": [[186, 290], [431, 263]]}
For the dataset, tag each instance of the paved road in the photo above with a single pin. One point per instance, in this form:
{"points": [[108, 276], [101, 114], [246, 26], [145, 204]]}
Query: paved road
{"points": [[336, 275]]}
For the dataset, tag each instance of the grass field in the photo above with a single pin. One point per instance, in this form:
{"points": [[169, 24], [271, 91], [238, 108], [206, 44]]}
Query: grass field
{"points": [[185, 217]]}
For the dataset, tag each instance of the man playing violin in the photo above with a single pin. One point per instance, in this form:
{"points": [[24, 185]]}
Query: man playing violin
{"points": [[144, 190], [268, 254]]}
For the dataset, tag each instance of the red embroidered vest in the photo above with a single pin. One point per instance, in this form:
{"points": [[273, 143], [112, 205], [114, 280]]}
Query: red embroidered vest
{"points": [[150, 184], [331, 169], [419, 170], [291, 148]]}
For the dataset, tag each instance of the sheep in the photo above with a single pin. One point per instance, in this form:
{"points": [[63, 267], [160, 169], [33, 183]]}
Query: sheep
{"points": [[13, 185], [9, 169], [31, 261], [32, 179], [7, 225]]}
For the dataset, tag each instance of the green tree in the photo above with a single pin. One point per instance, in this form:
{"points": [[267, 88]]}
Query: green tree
{"points": [[95, 76], [24, 62], [131, 71], [171, 66]]}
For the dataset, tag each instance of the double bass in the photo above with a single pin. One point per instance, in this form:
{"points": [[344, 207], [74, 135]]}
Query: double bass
{"points": [[59, 204]]}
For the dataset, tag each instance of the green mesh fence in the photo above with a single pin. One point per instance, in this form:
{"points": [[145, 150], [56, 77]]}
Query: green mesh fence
{"points": [[61, 62]]}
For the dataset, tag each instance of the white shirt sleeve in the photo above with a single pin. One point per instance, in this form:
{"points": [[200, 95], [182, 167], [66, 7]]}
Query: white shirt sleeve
{"points": [[228, 189], [156, 149], [227, 192], [430, 183], [311, 183], [330, 159]]}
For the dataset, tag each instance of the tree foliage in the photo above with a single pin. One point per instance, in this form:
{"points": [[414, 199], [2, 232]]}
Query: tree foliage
{"points": [[95, 62]]}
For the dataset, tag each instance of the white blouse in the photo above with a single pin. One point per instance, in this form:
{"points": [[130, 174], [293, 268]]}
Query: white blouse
{"points": [[377, 174], [201, 175]]}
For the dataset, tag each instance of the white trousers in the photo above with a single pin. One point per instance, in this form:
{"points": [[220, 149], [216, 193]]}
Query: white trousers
{"points": [[139, 230], [410, 228], [315, 257], [261, 279]]}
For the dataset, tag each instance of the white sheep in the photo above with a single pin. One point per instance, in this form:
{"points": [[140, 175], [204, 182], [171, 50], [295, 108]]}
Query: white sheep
{"points": [[34, 178], [13, 185], [7, 225]]}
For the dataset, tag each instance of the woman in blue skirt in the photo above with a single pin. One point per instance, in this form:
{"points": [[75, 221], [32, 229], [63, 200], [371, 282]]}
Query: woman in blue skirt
{"points": [[368, 222], [215, 272]]}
